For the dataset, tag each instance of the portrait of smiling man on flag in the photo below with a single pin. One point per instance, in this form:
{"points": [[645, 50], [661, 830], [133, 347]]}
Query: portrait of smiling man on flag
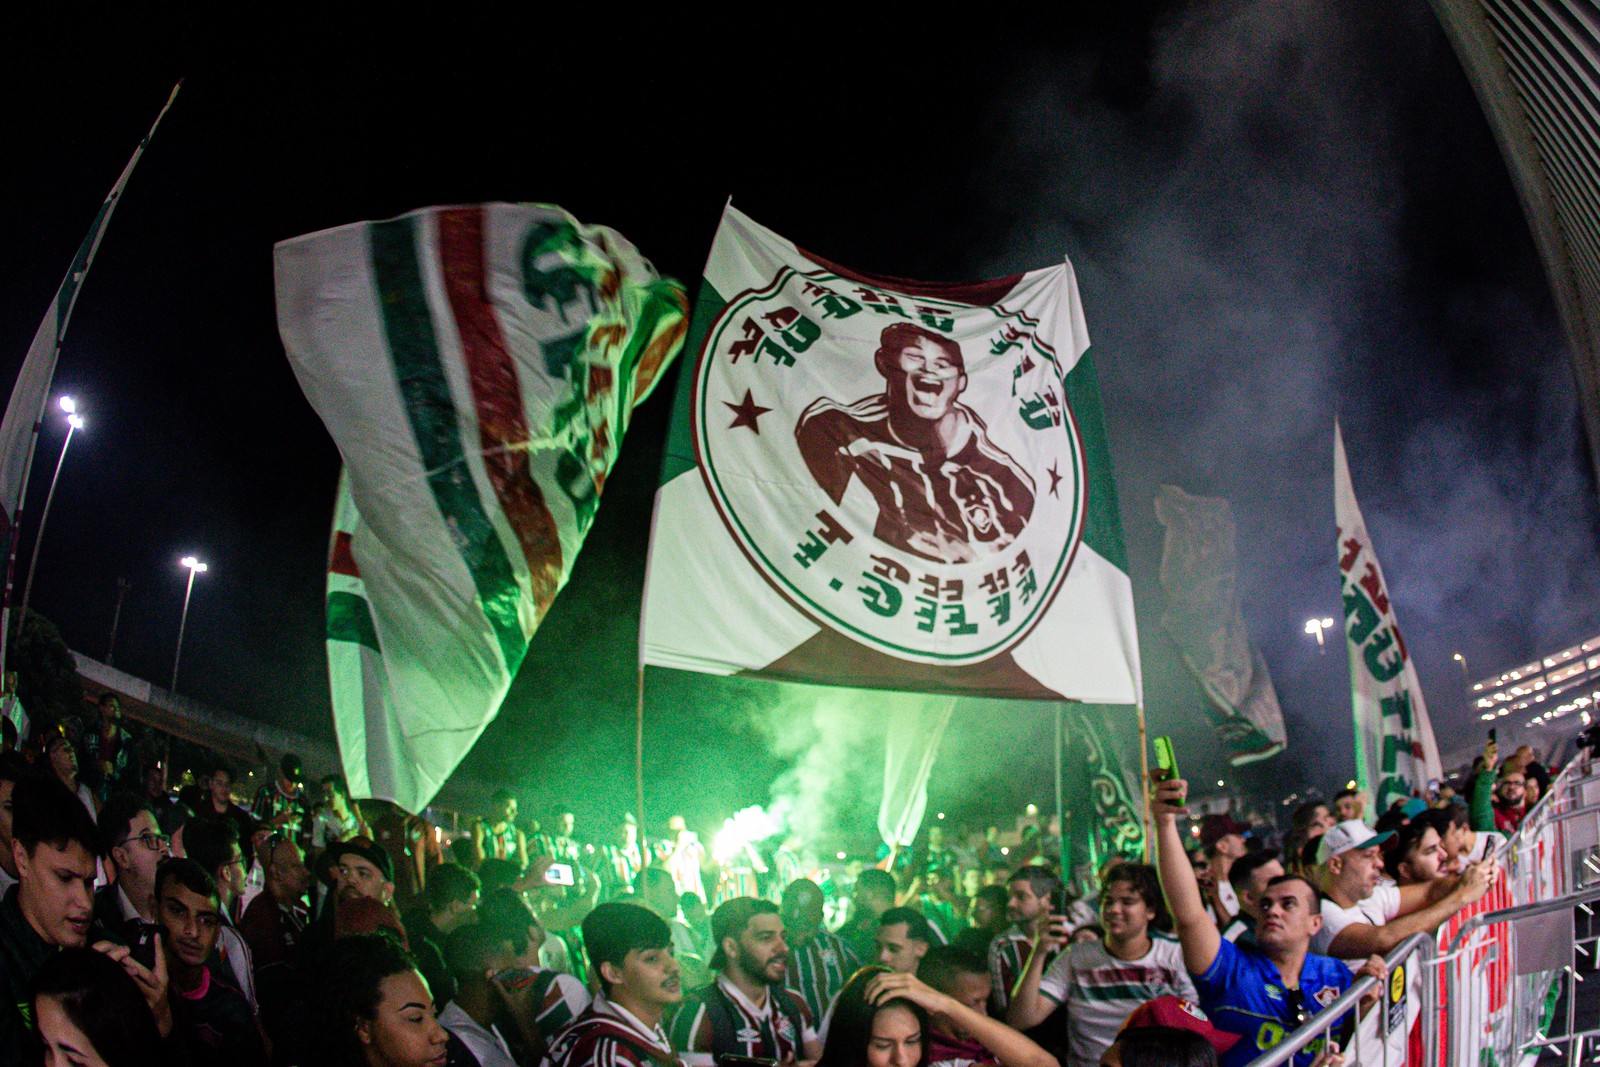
{"points": [[944, 490]]}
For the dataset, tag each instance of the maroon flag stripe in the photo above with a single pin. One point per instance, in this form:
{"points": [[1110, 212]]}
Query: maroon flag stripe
{"points": [[497, 397], [341, 560]]}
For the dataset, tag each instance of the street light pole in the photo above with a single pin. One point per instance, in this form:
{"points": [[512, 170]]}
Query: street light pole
{"points": [[74, 424], [195, 567]]}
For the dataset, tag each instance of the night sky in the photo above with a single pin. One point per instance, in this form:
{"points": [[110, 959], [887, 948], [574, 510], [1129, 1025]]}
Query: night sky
{"points": [[1275, 215]]}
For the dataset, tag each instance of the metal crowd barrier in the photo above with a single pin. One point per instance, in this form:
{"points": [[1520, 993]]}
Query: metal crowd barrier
{"points": [[1505, 963], [1508, 961], [1539, 954], [1380, 1038]]}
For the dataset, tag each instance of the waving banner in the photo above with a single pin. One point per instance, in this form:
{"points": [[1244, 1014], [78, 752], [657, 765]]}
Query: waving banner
{"points": [[1199, 575], [1395, 750], [477, 367], [882, 483]]}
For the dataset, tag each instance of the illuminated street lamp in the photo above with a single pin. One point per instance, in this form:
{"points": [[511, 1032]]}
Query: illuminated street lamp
{"points": [[195, 567], [74, 424], [1315, 627]]}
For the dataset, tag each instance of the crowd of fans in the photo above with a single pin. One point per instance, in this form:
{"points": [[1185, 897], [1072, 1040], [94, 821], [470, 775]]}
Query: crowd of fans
{"points": [[143, 925]]}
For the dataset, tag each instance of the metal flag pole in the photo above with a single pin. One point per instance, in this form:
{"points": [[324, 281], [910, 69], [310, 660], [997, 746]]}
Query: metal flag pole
{"points": [[19, 432]]}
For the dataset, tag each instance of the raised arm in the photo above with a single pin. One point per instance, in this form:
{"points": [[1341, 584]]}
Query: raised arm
{"points": [[1008, 1046], [1364, 939], [1196, 931], [1480, 805], [479, 831], [1028, 1006]]}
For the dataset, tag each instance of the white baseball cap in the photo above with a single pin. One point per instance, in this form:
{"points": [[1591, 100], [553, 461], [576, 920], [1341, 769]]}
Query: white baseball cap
{"points": [[1348, 836]]}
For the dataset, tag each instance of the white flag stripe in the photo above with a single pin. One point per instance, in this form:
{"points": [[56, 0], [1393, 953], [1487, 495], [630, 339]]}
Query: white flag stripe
{"points": [[476, 368], [1396, 753]]}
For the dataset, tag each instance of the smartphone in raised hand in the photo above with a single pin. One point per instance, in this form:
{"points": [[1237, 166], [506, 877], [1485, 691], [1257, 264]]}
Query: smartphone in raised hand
{"points": [[1166, 759]]}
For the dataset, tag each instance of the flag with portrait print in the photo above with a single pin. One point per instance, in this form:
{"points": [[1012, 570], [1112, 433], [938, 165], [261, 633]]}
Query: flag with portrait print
{"points": [[881, 483]]}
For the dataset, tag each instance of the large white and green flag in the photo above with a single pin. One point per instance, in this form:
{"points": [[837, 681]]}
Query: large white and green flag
{"points": [[882, 483], [477, 367], [1395, 750]]}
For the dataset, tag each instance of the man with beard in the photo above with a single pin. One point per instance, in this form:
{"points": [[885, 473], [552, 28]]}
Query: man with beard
{"points": [[1363, 915], [819, 962], [1028, 897], [1101, 983], [1417, 855], [358, 870], [215, 1020], [746, 1011], [944, 490], [630, 955]]}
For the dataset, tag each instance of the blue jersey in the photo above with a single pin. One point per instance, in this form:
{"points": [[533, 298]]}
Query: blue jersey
{"points": [[1243, 993]]}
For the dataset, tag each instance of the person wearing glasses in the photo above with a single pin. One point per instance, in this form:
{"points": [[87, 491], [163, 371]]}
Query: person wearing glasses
{"points": [[1264, 992], [135, 847]]}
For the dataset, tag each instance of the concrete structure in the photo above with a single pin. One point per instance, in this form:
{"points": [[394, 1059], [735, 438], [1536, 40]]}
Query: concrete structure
{"points": [[1535, 65]]}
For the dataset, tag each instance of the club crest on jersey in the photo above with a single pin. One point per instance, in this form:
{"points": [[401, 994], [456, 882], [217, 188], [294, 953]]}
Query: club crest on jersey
{"points": [[903, 469]]}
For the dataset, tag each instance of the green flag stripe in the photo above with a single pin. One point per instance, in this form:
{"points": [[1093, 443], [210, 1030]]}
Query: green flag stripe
{"points": [[1102, 522], [350, 619], [679, 454], [413, 346]]}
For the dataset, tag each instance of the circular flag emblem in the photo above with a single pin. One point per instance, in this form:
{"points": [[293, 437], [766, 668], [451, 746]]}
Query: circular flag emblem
{"points": [[906, 470]]}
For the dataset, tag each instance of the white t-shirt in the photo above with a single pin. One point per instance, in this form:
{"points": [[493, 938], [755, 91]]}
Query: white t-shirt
{"points": [[1230, 899], [1101, 991], [1379, 908], [1486, 841]]}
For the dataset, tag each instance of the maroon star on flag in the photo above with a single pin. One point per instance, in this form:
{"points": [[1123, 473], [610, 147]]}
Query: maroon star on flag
{"points": [[1055, 480], [746, 412]]}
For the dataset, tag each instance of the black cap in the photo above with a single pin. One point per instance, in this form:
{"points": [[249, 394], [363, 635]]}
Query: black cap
{"points": [[289, 767], [358, 846]]}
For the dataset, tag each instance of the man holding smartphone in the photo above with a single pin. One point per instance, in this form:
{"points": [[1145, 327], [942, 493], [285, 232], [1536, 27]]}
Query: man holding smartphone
{"points": [[1263, 993]]}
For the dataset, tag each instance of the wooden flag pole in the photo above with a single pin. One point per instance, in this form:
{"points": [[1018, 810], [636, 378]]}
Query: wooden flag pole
{"points": [[1144, 780], [1061, 823]]}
